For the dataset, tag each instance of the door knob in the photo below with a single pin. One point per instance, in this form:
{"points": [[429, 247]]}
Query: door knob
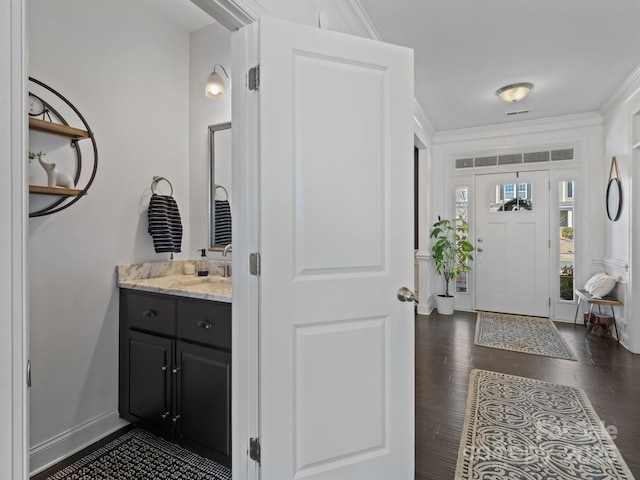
{"points": [[406, 295], [479, 249]]}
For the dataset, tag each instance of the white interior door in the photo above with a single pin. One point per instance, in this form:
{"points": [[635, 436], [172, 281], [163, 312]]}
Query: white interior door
{"points": [[513, 243], [336, 353]]}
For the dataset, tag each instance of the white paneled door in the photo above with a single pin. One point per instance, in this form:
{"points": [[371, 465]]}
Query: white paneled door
{"points": [[335, 142], [513, 243]]}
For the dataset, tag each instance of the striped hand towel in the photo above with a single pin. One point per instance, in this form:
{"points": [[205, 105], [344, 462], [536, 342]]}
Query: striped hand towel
{"points": [[165, 225], [223, 222]]}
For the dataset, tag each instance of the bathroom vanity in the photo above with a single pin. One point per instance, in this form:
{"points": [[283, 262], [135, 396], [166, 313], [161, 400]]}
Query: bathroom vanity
{"points": [[175, 361]]}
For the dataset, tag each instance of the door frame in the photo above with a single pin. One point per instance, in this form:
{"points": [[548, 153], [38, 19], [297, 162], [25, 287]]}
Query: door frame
{"points": [[14, 422], [558, 171], [14, 439]]}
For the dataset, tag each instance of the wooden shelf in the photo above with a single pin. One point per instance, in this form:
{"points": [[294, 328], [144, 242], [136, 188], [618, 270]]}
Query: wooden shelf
{"points": [[57, 129], [67, 192]]}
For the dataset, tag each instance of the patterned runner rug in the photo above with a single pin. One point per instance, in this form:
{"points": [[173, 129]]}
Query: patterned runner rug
{"points": [[519, 428], [519, 333], [138, 455]]}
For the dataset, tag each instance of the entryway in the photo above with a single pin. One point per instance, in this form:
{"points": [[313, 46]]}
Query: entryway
{"points": [[513, 243]]}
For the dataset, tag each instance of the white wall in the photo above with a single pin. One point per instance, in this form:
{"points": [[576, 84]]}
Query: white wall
{"points": [[622, 247], [583, 132], [127, 71]]}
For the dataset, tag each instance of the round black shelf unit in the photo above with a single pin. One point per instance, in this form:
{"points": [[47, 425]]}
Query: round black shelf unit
{"points": [[67, 199]]}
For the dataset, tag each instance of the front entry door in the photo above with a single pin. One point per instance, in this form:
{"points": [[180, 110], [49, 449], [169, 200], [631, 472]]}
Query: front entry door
{"points": [[336, 353], [513, 243]]}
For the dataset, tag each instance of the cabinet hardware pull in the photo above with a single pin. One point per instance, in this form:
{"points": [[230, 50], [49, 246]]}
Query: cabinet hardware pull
{"points": [[149, 313], [176, 369], [165, 415], [165, 367], [206, 324], [175, 419]]}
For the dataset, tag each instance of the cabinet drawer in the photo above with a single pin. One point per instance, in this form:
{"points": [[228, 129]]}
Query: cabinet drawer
{"points": [[149, 312], [208, 323]]}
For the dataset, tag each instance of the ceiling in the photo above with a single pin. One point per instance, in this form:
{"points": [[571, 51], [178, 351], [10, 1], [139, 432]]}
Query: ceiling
{"points": [[576, 52]]}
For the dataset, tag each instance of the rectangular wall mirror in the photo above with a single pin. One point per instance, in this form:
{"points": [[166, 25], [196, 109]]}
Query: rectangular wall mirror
{"points": [[219, 186]]}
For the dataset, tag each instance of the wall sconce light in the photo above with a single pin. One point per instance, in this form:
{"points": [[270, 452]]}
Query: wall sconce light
{"points": [[514, 92], [215, 84]]}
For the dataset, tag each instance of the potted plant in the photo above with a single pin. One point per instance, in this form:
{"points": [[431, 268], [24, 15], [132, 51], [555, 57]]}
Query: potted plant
{"points": [[452, 252]]}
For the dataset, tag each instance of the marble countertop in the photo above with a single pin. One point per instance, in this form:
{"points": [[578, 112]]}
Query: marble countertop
{"points": [[166, 277]]}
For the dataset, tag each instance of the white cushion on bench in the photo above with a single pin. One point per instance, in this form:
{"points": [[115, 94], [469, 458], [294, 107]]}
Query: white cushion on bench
{"points": [[600, 284]]}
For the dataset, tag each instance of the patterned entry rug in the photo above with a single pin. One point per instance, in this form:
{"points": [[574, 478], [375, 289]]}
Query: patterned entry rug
{"points": [[519, 428], [138, 455], [520, 333]]}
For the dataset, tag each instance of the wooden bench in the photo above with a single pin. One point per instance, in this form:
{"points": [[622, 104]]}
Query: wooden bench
{"points": [[584, 296]]}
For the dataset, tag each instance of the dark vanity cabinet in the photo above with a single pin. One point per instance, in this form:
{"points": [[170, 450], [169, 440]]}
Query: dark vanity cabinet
{"points": [[175, 370]]}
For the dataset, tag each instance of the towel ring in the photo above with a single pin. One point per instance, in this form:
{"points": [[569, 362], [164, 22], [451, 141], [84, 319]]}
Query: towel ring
{"points": [[225, 191], [155, 181]]}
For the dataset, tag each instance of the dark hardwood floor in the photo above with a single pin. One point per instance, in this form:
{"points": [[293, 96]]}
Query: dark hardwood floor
{"points": [[445, 354]]}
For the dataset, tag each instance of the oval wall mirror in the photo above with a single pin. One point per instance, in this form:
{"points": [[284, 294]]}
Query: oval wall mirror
{"points": [[614, 193], [614, 199]]}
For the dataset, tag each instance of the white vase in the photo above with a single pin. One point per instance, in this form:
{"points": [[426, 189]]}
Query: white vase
{"points": [[445, 304]]}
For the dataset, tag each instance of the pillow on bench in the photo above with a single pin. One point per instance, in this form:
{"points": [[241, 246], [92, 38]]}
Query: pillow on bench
{"points": [[600, 284]]}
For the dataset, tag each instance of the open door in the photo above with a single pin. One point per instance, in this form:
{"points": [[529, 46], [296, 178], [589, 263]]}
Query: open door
{"points": [[332, 116]]}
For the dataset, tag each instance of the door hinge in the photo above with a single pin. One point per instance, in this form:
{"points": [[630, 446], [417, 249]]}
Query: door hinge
{"points": [[549, 301], [254, 264], [254, 449], [254, 77]]}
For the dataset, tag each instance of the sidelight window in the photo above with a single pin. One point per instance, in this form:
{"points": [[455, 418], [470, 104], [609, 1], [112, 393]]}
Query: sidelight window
{"points": [[462, 212], [566, 252]]}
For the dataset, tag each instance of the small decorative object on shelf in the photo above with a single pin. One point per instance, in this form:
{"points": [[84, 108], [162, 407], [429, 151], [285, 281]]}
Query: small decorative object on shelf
{"points": [[52, 108], [54, 177], [33, 155]]}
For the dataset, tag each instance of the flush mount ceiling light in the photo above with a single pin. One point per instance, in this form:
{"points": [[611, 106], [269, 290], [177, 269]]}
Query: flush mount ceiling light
{"points": [[514, 92], [215, 87]]}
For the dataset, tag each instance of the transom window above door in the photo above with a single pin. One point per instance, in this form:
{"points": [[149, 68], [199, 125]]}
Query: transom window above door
{"points": [[545, 156]]}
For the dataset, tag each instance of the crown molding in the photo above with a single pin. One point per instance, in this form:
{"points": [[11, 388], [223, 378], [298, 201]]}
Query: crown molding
{"points": [[422, 123], [233, 14], [582, 120], [356, 19], [630, 86]]}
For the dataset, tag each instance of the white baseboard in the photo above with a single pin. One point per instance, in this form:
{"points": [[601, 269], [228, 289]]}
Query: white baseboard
{"points": [[424, 309], [67, 443]]}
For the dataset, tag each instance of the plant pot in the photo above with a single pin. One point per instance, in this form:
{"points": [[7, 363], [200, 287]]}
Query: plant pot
{"points": [[445, 304]]}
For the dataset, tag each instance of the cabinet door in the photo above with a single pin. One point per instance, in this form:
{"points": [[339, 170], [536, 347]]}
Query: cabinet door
{"points": [[147, 381], [204, 401]]}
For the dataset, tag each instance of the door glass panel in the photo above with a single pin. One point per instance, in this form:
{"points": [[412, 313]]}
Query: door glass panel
{"points": [[462, 212], [511, 197], [567, 240]]}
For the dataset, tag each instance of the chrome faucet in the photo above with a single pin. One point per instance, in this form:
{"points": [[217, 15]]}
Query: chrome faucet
{"points": [[225, 271]]}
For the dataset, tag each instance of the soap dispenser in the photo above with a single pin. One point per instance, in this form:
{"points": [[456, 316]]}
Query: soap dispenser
{"points": [[202, 264]]}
